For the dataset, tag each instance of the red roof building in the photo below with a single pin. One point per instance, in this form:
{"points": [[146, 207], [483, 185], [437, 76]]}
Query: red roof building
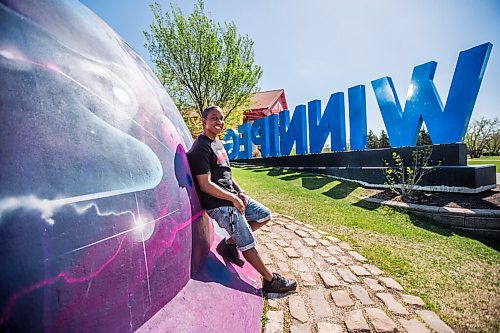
{"points": [[265, 103]]}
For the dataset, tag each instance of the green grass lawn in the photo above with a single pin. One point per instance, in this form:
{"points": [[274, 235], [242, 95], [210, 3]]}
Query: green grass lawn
{"points": [[457, 276], [486, 160]]}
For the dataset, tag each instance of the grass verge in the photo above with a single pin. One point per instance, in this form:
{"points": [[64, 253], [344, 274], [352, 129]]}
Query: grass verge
{"points": [[486, 160], [457, 276]]}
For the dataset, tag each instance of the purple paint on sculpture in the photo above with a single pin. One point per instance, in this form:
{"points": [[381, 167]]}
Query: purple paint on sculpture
{"points": [[100, 223], [238, 310]]}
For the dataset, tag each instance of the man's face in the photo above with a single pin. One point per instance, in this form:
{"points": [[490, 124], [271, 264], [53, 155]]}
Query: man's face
{"points": [[214, 122]]}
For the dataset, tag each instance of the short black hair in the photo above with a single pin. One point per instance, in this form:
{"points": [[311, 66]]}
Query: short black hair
{"points": [[207, 110]]}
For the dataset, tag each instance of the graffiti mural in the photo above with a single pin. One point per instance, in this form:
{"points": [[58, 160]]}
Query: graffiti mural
{"points": [[100, 224]]}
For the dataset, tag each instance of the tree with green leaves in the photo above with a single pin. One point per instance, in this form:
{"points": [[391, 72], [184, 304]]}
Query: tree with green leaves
{"points": [[424, 138], [372, 140], [200, 61], [478, 134], [383, 142], [493, 143]]}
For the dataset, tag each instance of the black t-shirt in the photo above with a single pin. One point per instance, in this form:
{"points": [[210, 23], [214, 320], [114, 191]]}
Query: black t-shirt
{"points": [[209, 156]]}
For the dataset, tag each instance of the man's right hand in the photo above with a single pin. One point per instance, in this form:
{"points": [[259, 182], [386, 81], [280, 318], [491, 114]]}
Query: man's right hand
{"points": [[238, 204]]}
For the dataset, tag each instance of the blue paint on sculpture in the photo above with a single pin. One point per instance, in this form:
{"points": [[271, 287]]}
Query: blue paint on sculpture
{"points": [[98, 210], [232, 144], [245, 141], [319, 126], [260, 135], [336, 102], [423, 103], [357, 117], [293, 131], [274, 148]]}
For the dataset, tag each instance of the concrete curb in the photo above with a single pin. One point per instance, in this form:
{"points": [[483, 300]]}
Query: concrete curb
{"points": [[480, 222]]}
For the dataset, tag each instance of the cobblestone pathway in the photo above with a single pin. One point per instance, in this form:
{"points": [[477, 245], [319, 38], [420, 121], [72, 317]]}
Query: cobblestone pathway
{"points": [[339, 290]]}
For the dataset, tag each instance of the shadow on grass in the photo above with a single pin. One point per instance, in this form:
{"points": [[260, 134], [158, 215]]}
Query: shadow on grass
{"points": [[315, 182], [310, 181], [278, 172], [344, 188], [367, 205], [256, 169], [341, 190]]}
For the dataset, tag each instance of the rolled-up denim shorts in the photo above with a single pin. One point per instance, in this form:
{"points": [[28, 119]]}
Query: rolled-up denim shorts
{"points": [[236, 224]]}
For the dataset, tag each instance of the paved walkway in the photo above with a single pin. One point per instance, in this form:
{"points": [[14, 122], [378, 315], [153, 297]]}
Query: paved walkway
{"points": [[339, 290]]}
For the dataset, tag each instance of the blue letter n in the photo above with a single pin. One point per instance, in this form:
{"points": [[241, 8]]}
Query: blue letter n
{"points": [[293, 131], [332, 122]]}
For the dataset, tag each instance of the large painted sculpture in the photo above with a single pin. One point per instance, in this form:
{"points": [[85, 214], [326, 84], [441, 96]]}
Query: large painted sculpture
{"points": [[100, 223]]}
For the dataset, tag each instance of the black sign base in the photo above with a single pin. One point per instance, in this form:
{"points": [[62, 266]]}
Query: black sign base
{"points": [[367, 167]]}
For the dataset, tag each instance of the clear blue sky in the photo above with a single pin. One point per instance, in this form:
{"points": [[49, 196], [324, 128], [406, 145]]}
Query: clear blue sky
{"points": [[315, 48]]}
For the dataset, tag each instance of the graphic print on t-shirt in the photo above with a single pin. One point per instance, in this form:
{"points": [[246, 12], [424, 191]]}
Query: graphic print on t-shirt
{"points": [[222, 158]]}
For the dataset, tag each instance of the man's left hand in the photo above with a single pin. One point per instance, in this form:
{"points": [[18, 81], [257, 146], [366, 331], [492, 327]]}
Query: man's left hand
{"points": [[243, 198]]}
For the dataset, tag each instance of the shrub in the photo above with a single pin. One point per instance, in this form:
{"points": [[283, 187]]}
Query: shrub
{"points": [[402, 179]]}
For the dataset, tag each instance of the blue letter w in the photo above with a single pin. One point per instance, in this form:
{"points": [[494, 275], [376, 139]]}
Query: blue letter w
{"points": [[446, 125]]}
